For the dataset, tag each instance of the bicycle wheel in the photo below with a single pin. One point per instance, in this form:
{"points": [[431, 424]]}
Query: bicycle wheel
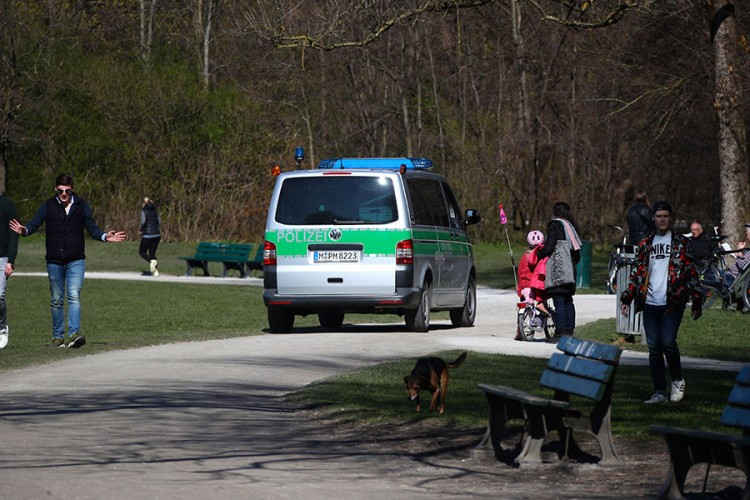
{"points": [[746, 291], [549, 327], [612, 275], [524, 324], [711, 280]]}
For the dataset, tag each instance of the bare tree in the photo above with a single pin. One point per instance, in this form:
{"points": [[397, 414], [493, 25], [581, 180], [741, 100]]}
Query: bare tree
{"points": [[205, 15], [735, 177], [147, 10]]}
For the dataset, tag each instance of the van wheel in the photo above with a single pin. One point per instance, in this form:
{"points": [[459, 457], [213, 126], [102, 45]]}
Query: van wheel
{"points": [[280, 321], [468, 313], [418, 320], [331, 320]]}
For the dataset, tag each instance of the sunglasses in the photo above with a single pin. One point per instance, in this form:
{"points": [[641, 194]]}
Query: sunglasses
{"points": [[64, 191]]}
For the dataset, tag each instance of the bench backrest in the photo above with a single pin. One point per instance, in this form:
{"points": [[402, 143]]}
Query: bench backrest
{"points": [[208, 249], [584, 368], [737, 411]]}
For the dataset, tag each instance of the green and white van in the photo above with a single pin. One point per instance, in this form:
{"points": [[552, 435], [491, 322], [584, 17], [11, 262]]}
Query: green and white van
{"points": [[367, 235]]}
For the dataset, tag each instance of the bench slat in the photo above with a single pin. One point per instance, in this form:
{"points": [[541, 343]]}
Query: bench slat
{"points": [[590, 349], [734, 416], [743, 377], [740, 396], [703, 435], [572, 384], [511, 393], [583, 367]]}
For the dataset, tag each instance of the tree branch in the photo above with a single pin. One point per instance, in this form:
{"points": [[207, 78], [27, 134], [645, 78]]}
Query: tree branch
{"points": [[577, 12], [295, 41]]}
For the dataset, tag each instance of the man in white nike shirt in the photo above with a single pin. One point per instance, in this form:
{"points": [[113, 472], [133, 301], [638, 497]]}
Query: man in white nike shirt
{"points": [[663, 280]]}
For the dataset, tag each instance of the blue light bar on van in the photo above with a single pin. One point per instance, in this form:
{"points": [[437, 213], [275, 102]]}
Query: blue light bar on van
{"points": [[376, 163]]}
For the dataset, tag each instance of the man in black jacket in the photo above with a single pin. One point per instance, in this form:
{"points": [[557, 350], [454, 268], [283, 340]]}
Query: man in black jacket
{"points": [[66, 215], [640, 219]]}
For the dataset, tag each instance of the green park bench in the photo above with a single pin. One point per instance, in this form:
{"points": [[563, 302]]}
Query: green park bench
{"points": [[688, 447], [584, 369], [233, 256]]}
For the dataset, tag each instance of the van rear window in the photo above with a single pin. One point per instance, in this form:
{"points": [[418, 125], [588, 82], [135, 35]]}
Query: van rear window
{"points": [[306, 201]]}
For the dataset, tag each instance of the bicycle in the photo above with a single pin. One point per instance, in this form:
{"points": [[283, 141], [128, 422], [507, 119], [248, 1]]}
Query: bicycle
{"points": [[532, 321], [617, 259], [713, 277]]}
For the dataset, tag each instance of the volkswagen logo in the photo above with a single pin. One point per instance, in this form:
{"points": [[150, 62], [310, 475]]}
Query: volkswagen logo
{"points": [[334, 234]]}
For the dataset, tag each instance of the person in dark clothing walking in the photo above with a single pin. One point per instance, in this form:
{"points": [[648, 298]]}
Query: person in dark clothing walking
{"points": [[150, 230], [8, 251], [640, 219], [560, 280], [66, 215]]}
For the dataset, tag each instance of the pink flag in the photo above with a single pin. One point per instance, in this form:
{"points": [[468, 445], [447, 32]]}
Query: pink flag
{"points": [[503, 218]]}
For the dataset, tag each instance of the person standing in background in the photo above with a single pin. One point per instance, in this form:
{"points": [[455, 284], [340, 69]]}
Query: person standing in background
{"points": [[150, 230], [8, 251], [640, 219], [560, 279]]}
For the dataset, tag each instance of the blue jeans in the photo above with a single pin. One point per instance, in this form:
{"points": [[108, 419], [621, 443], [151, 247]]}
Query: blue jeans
{"points": [[66, 279], [661, 336], [564, 315]]}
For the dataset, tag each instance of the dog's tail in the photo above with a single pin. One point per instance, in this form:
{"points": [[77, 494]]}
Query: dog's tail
{"points": [[458, 361]]}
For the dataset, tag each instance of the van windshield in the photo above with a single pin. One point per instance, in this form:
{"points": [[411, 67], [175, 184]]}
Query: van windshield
{"points": [[350, 199]]}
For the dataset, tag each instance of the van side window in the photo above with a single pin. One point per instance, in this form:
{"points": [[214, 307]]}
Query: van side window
{"points": [[454, 211], [428, 203]]}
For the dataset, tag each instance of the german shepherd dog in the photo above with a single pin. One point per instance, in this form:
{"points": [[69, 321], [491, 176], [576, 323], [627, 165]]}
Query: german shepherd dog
{"points": [[430, 374]]}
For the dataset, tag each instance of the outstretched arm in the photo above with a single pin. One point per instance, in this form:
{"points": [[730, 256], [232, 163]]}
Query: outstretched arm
{"points": [[115, 236], [16, 227]]}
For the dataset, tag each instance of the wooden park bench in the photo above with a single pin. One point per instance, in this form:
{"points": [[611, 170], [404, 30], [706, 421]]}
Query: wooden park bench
{"points": [[256, 263], [234, 256], [688, 447], [584, 369]]}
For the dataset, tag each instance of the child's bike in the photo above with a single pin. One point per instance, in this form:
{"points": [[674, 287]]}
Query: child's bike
{"points": [[532, 322]]}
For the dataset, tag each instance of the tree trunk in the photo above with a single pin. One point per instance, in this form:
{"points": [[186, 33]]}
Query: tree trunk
{"points": [[733, 165]]}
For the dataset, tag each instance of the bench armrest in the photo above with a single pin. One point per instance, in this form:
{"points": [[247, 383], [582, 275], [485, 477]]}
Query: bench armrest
{"points": [[743, 441]]}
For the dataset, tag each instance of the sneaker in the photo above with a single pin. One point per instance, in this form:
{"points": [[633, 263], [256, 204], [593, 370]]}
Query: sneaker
{"points": [[76, 340], [57, 343], [678, 391], [3, 337], [657, 399], [152, 265]]}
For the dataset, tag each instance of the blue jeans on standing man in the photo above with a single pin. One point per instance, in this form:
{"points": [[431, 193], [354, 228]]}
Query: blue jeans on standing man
{"points": [[661, 336], [66, 281]]}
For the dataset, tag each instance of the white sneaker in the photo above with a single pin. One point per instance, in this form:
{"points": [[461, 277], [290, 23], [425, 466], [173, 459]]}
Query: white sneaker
{"points": [[152, 265], [3, 337], [678, 391], [657, 399]]}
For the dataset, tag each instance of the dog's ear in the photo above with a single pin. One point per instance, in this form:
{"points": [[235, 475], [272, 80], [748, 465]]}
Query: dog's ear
{"points": [[406, 380]]}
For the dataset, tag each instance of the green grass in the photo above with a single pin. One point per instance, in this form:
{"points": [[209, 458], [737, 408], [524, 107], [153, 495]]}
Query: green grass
{"points": [[378, 393], [127, 314]]}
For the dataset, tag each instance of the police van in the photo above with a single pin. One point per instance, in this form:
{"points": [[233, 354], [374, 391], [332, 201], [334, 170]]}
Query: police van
{"points": [[367, 235]]}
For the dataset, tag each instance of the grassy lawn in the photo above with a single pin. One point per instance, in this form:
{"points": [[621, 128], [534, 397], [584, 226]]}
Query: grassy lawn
{"points": [[127, 314]]}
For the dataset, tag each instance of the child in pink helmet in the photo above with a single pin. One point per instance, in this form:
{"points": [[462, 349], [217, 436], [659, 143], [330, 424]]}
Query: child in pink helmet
{"points": [[531, 272]]}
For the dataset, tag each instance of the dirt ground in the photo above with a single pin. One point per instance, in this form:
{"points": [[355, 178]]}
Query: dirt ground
{"points": [[432, 443]]}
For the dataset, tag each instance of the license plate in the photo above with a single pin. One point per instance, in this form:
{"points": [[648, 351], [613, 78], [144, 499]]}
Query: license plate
{"points": [[336, 256]]}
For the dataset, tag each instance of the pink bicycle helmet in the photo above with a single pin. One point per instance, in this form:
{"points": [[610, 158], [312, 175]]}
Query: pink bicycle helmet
{"points": [[534, 238]]}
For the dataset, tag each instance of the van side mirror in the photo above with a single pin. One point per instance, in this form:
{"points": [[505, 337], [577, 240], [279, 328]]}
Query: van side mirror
{"points": [[472, 217]]}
